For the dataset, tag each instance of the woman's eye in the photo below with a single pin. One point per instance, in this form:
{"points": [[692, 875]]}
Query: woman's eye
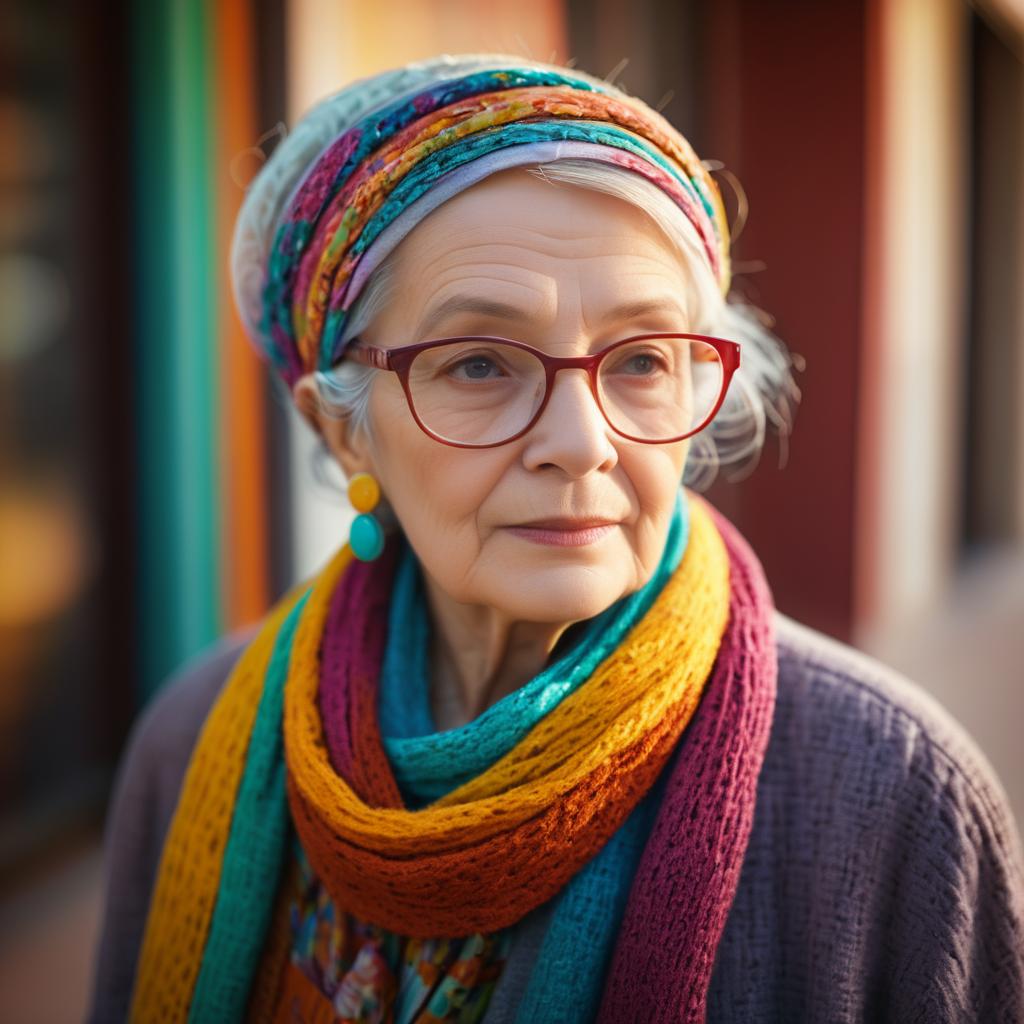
{"points": [[475, 368], [640, 364]]}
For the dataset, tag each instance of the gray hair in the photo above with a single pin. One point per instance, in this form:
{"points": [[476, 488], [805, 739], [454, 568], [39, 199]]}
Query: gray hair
{"points": [[763, 390]]}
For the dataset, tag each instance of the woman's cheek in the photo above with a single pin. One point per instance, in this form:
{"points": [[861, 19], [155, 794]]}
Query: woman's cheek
{"points": [[440, 499], [655, 475]]}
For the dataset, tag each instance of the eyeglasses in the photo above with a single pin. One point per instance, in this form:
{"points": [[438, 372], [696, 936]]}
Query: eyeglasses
{"points": [[480, 392]]}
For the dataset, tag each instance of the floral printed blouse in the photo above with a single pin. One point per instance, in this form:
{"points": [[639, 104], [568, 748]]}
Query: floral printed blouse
{"points": [[343, 969]]}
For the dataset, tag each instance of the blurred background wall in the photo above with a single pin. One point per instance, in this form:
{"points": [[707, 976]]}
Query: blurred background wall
{"points": [[156, 492]]}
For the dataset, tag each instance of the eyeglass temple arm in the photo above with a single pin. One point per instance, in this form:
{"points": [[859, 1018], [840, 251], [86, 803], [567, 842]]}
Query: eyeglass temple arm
{"points": [[371, 356]]}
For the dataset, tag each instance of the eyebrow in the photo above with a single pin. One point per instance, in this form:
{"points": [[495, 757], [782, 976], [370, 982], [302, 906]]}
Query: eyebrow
{"points": [[504, 311]]}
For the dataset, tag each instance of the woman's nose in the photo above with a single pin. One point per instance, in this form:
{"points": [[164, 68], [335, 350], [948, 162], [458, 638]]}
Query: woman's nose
{"points": [[572, 432]]}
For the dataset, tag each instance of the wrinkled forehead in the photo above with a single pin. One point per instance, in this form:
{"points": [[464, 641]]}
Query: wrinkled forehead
{"points": [[541, 246]]}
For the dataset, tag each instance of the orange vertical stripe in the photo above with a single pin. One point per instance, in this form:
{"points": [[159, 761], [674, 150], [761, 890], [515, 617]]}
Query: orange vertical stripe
{"points": [[243, 451]]}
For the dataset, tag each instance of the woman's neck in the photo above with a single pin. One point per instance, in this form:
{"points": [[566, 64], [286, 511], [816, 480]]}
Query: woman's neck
{"points": [[478, 656]]}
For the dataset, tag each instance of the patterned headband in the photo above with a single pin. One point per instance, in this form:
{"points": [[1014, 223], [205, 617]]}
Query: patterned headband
{"points": [[373, 182]]}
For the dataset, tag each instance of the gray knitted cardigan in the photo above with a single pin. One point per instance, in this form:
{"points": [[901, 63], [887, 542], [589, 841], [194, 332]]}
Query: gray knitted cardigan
{"points": [[883, 881]]}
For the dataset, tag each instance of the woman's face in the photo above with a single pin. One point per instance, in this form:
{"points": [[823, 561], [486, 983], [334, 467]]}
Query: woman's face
{"points": [[563, 257]]}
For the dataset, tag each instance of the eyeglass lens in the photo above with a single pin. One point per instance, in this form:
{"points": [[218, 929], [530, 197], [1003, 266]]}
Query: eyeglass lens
{"points": [[480, 391]]}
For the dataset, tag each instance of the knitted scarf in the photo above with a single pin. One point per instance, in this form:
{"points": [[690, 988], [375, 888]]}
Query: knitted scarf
{"points": [[294, 739]]}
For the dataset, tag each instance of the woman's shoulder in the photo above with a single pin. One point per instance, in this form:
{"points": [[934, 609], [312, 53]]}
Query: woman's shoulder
{"points": [[164, 733], [859, 747], [145, 794], [870, 721], [169, 724], [884, 875]]}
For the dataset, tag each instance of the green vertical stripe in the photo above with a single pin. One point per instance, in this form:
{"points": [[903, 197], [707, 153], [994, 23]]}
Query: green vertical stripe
{"points": [[179, 561]]}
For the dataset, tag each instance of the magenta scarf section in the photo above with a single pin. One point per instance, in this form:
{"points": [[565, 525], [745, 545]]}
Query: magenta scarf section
{"points": [[689, 872]]}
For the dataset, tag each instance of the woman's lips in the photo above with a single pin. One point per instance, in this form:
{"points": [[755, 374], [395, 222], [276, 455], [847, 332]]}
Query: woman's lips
{"points": [[563, 534]]}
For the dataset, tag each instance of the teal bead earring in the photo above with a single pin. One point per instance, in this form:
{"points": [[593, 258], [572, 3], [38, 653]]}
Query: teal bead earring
{"points": [[367, 536]]}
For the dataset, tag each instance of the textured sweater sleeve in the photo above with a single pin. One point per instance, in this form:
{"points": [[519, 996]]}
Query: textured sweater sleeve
{"points": [[884, 880], [142, 803], [953, 940]]}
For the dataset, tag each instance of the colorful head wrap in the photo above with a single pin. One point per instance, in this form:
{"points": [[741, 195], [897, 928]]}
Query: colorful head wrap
{"points": [[381, 154]]}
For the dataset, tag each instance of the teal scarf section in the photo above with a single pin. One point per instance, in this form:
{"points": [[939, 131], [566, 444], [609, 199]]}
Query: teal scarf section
{"points": [[565, 984], [429, 764]]}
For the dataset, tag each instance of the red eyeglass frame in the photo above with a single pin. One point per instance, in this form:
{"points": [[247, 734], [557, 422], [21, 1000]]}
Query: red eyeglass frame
{"points": [[399, 360]]}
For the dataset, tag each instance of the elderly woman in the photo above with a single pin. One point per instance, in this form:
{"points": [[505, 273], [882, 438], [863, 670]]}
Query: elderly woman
{"points": [[535, 745]]}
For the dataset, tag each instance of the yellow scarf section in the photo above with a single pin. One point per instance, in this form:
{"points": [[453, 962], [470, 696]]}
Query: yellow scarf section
{"points": [[663, 664], [623, 701]]}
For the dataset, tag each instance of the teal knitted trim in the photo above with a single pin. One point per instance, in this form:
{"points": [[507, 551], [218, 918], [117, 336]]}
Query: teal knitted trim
{"points": [[428, 764]]}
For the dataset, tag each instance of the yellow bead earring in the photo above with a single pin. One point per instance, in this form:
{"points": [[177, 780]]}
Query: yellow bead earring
{"points": [[366, 537]]}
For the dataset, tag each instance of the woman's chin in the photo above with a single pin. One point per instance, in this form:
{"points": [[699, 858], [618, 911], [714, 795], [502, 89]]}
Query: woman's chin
{"points": [[558, 593]]}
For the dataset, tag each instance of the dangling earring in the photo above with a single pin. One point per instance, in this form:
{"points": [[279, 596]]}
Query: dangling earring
{"points": [[367, 536]]}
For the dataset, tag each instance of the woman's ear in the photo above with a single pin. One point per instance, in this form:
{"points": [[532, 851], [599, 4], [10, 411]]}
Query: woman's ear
{"points": [[347, 445], [304, 395]]}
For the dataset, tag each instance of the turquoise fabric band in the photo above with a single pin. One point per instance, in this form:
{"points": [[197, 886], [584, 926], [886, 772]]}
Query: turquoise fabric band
{"points": [[428, 764]]}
